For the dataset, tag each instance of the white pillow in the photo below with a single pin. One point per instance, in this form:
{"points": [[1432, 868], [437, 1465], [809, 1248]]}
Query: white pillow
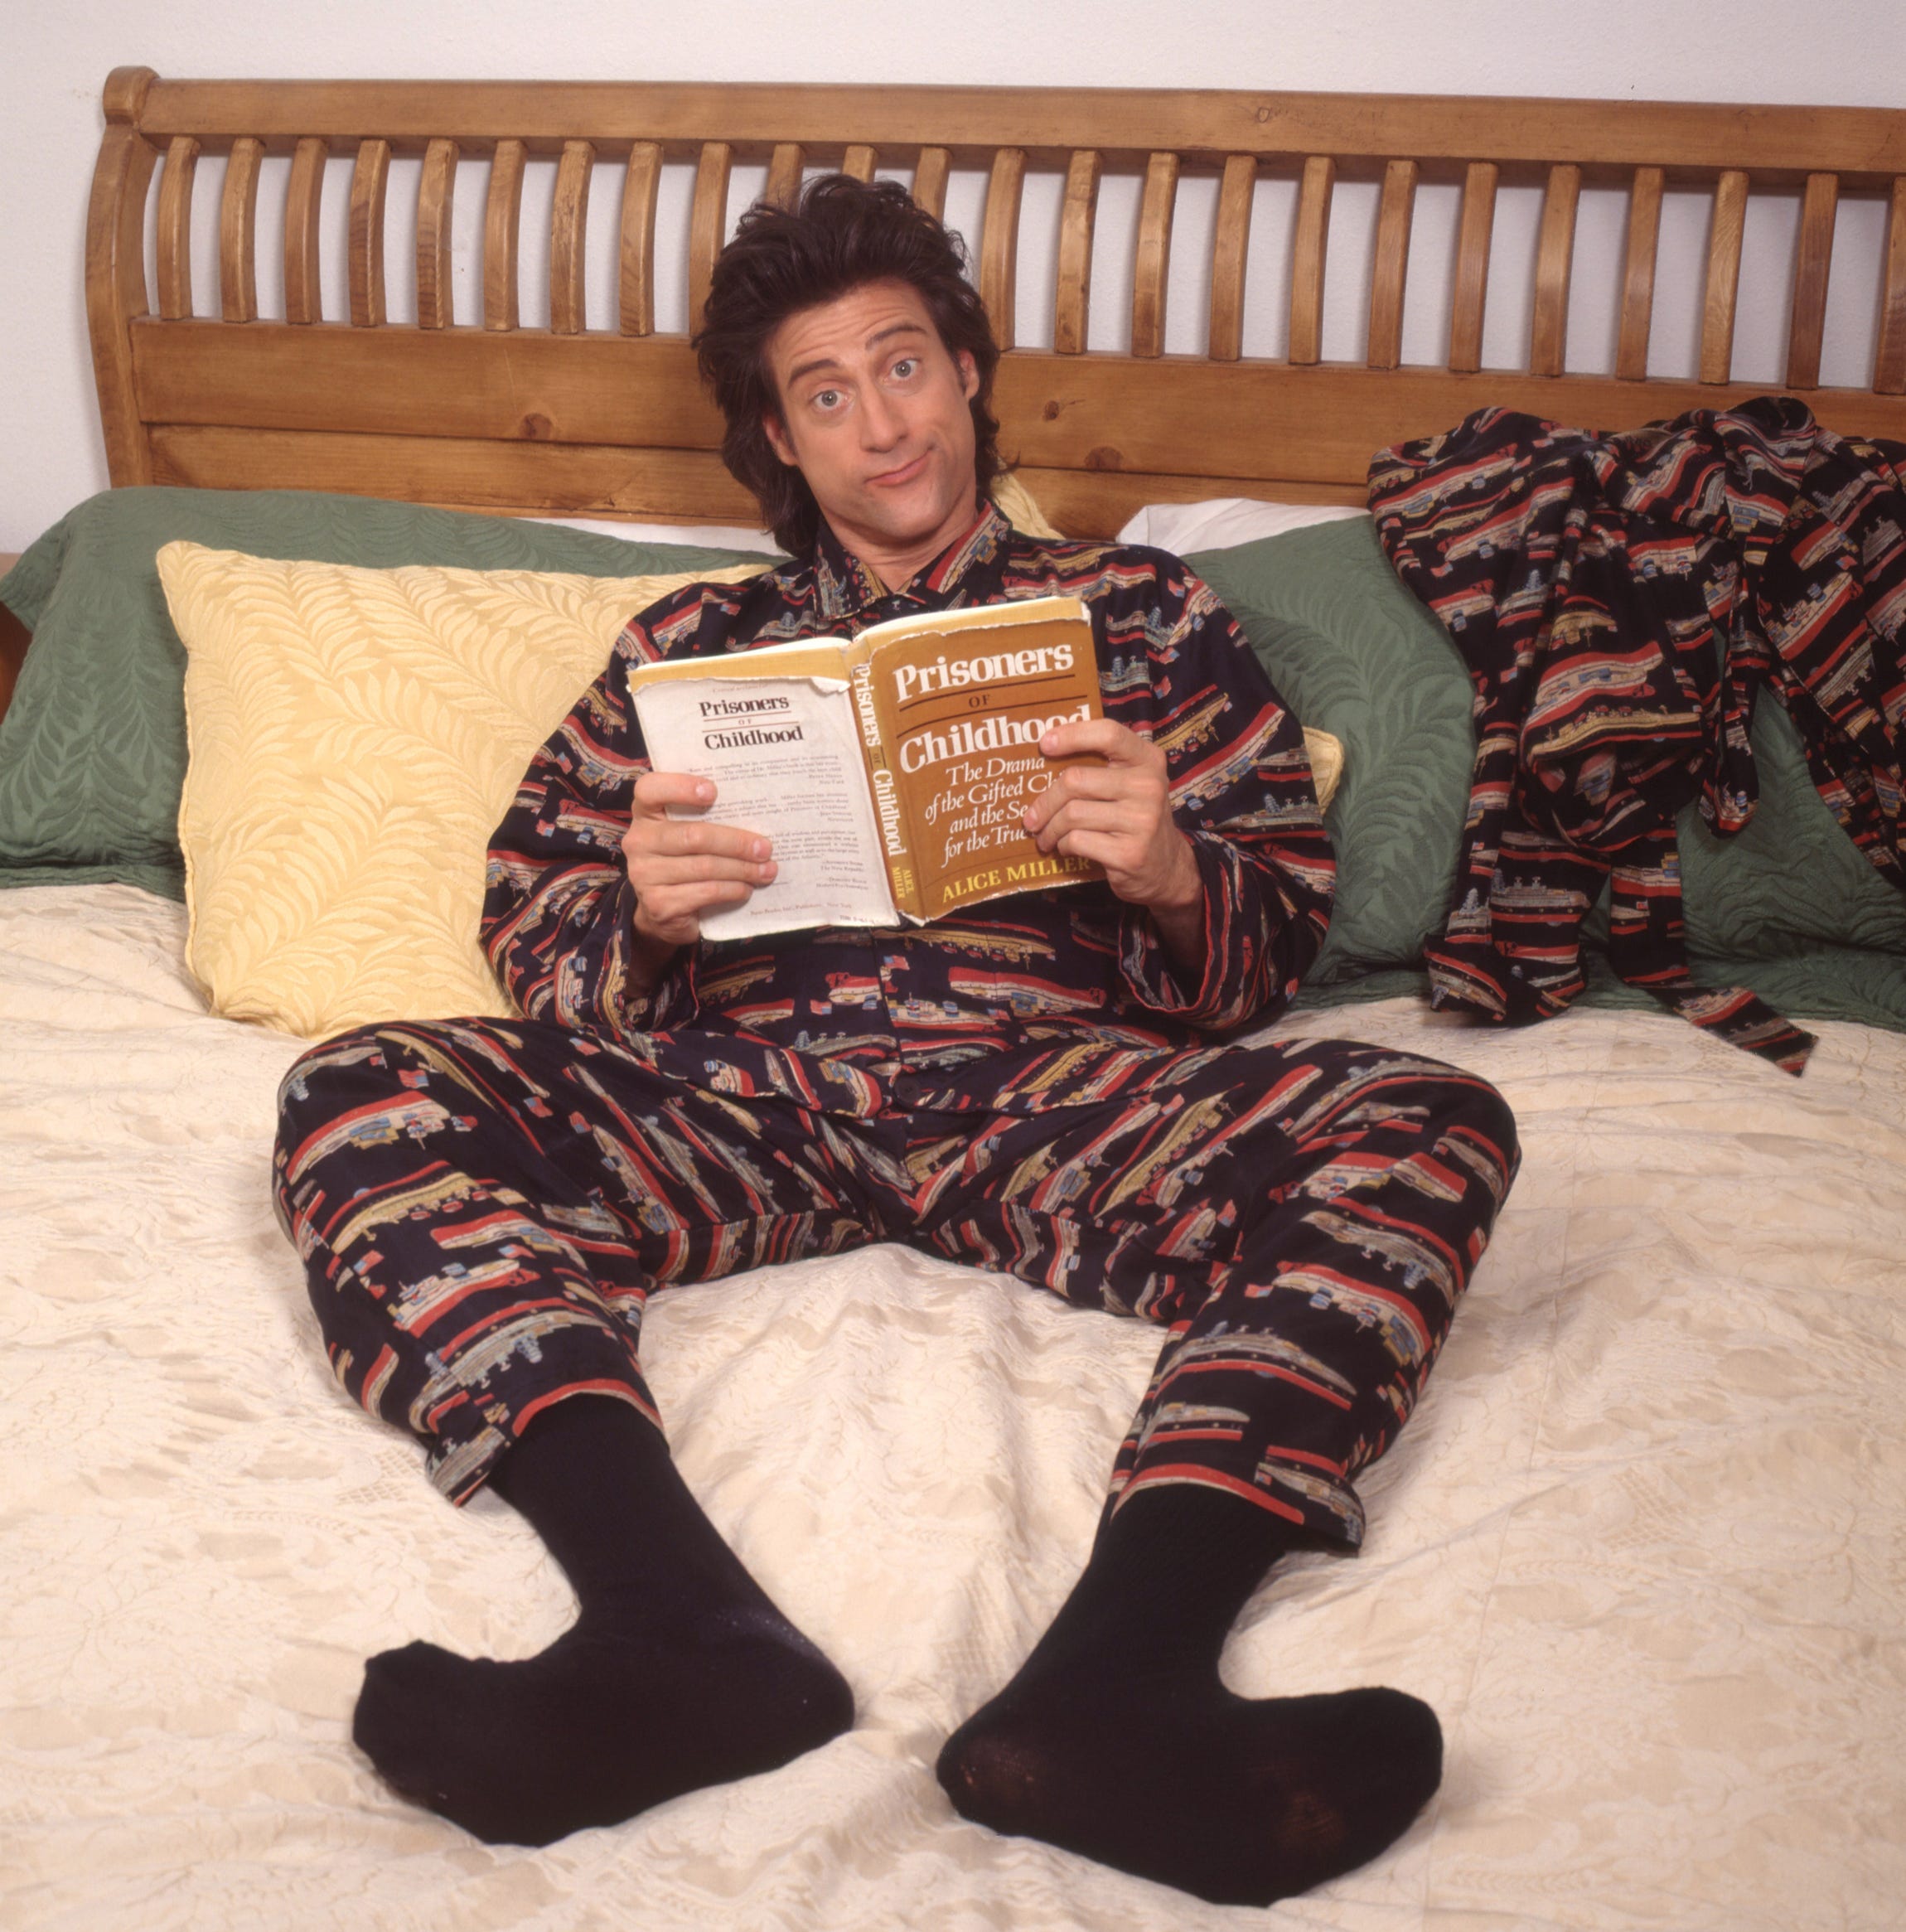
{"points": [[1220, 521]]}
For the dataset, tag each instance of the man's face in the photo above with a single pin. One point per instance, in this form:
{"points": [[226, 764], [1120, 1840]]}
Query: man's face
{"points": [[873, 414]]}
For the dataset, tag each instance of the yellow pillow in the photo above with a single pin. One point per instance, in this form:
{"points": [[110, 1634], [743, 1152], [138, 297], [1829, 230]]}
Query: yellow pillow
{"points": [[355, 736]]}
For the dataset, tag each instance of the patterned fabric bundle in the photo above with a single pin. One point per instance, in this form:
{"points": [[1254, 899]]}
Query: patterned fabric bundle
{"points": [[1620, 601]]}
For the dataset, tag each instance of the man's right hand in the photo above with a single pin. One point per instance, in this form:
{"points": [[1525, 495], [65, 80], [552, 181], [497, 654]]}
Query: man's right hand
{"points": [[682, 868]]}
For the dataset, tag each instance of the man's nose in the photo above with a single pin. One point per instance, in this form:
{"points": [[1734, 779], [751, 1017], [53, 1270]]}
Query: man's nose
{"points": [[881, 423]]}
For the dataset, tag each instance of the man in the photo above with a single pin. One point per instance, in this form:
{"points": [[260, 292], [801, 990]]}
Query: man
{"points": [[1040, 1086]]}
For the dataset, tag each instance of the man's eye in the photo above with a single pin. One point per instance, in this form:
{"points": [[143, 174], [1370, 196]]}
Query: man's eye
{"points": [[906, 368], [826, 398]]}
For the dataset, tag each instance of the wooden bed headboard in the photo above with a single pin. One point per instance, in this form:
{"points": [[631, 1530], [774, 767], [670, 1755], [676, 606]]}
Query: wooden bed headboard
{"points": [[477, 411]]}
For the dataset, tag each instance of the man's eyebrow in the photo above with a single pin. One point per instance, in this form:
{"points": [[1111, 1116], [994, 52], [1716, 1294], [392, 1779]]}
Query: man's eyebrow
{"points": [[818, 363]]}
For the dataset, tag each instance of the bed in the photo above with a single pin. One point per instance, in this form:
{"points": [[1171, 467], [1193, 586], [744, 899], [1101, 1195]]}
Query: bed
{"points": [[1643, 1546]]}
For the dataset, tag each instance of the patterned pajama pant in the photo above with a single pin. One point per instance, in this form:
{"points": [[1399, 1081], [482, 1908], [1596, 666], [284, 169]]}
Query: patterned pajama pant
{"points": [[483, 1207]]}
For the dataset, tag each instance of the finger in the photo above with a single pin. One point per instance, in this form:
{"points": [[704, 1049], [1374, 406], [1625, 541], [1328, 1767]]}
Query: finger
{"points": [[681, 837], [1092, 815], [654, 872], [654, 792], [1103, 736]]}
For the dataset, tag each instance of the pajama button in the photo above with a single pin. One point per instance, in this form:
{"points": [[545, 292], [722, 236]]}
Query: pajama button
{"points": [[906, 1092]]}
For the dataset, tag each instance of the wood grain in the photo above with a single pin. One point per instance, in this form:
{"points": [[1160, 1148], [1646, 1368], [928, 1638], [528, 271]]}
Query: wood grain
{"points": [[569, 233], [116, 275], [1865, 147], [635, 251], [1554, 262], [502, 229], [14, 639], [930, 174], [661, 484], [238, 233], [1151, 271], [1313, 237], [1643, 246], [1813, 262], [1475, 232], [303, 205], [1393, 222], [859, 162], [1229, 255], [364, 248], [1723, 275], [708, 223], [1078, 214], [174, 252], [999, 242], [436, 189], [782, 189], [1889, 359]]}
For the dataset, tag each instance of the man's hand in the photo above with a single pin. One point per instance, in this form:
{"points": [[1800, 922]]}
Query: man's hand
{"points": [[683, 869], [1120, 815]]}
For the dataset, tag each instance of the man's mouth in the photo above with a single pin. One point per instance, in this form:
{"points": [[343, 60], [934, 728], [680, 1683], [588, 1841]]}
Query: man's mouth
{"points": [[891, 479]]}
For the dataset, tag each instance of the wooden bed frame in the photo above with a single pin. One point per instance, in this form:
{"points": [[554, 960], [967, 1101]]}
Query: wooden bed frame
{"points": [[479, 412]]}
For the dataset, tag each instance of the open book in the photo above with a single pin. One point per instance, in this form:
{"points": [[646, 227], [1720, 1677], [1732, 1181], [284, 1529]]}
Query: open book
{"points": [[890, 770]]}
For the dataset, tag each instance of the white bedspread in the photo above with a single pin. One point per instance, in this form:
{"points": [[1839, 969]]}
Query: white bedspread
{"points": [[1641, 1546]]}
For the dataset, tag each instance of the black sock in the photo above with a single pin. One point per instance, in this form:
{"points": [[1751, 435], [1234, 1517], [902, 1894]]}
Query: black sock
{"points": [[678, 1672], [1118, 1740]]}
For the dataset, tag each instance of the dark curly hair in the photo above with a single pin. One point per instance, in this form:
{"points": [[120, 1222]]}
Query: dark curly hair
{"points": [[842, 234]]}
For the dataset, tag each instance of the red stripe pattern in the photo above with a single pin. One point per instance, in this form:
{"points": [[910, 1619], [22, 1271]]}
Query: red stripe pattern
{"points": [[1621, 601]]}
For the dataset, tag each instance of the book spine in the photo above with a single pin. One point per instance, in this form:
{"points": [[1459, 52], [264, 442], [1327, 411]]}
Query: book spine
{"points": [[876, 749]]}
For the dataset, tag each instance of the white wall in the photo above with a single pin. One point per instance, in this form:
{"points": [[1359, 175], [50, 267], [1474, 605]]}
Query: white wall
{"points": [[53, 59]]}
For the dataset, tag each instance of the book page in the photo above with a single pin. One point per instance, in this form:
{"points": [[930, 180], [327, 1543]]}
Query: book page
{"points": [[785, 757]]}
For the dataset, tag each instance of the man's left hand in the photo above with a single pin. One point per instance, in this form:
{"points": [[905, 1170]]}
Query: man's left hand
{"points": [[1119, 813]]}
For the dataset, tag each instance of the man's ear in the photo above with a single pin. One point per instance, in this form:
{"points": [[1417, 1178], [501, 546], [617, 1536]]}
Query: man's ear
{"points": [[772, 428], [969, 374]]}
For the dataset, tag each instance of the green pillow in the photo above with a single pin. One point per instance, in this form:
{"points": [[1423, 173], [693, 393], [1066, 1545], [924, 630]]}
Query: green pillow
{"points": [[92, 748], [1356, 655]]}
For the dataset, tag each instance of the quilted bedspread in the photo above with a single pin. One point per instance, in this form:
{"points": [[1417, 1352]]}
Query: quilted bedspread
{"points": [[1642, 1546]]}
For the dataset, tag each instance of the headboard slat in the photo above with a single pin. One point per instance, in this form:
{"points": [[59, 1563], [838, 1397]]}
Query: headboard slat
{"points": [[708, 223], [1393, 219], [436, 190], [304, 204], [502, 221], [1554, 263], [1152, 271], [1307, 266], [569, 228], [784, 166], [1475, 233], [636, 295], [1723, 276], [1643, 244], [1812, 266], [930, 175], [1072, 295], [368, 179], [238, 233], [1229, 256], [999, 242], [174, 236], [1889, 359]]}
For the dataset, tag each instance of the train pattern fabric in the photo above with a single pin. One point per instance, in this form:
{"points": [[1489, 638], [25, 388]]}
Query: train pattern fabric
{"points": [[1621, 602], [485, 1206]]}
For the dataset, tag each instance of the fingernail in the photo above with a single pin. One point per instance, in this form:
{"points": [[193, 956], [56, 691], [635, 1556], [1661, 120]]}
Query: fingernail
{"points": [[757, 849], [703, 792]]}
